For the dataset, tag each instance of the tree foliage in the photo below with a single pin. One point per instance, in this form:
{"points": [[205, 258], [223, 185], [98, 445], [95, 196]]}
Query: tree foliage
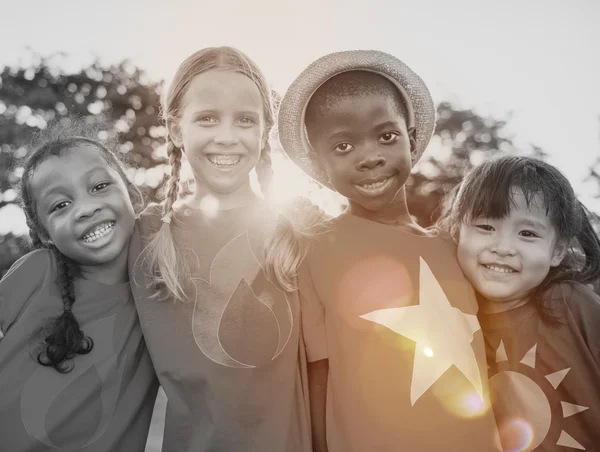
{"points": [[126, 102]]}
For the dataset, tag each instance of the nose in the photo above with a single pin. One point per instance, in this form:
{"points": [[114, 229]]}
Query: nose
{"points": [[370, 160], [503, 245], [87, 207], [226, 134]]}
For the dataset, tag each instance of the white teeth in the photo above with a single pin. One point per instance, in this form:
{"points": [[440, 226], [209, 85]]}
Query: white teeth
{"points": [[224, 161], [499, 268], [100, 231], [375, 185]]}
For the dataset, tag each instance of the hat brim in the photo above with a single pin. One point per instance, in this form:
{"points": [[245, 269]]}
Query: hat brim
{"points": [[291, 127]]}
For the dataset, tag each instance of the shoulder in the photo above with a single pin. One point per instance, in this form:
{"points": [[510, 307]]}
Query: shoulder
{"points": [[576, 301], [23, 279], [579, 305], [577, 297], [442, 238], [33, 265]]}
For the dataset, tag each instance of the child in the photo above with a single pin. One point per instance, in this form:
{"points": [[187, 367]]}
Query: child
{"points": [[396, 356], [223, 339], [74, 370], [527, 245]]}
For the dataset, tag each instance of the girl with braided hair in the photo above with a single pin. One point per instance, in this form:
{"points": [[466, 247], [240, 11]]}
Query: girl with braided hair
{"points": [[75, 373], [223, 338]]}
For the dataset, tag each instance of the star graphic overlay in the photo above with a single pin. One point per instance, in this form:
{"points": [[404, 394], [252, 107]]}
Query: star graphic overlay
{"points": [[442, 333]]}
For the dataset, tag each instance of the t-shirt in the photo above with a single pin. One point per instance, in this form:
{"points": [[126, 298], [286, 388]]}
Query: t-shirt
{"points": [[228, 358], [395, 317], [545, 379], [105, 403]]}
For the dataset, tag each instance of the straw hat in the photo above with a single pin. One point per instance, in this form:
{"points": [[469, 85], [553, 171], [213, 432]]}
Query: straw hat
{"points": [[291, 128]]}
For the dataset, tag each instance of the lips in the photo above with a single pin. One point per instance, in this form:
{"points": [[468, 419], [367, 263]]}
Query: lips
{"points": [[500, 268], [93, 233], [224, 160], [374, 186]]}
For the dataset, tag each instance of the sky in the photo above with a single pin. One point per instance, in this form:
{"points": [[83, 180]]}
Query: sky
{"points": [[533, 60]]}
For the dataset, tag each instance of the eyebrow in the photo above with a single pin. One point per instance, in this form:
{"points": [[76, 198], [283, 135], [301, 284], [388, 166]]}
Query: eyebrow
{"points": [[206, 109], [56, 188], [387, 124], [378, 127], [339, 134], [533, 223]]}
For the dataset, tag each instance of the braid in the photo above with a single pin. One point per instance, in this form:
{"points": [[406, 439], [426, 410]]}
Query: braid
{"points": [[297, 227], [35, 238], [161, 259], [175, 155], [264, 170], [65, 339]]}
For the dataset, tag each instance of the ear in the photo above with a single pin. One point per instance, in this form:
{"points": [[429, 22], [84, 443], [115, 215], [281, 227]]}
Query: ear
{"points": [[174, 129], [412, 138], [560, 249], [45, 238], [318, 164]]}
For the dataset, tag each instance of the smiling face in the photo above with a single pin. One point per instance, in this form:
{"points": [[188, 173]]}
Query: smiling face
{"points": [[83, 206], [221, 130], [506, 258], [360, 140]]}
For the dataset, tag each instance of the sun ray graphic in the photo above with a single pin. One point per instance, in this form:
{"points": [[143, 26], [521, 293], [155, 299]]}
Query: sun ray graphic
{"points": [[527, 412]]}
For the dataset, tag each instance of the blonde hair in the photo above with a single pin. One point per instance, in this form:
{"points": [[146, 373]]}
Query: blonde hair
{"points": [[297, 227], [164, 262]]}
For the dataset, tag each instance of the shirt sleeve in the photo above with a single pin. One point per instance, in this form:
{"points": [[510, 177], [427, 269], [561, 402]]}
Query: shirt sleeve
{"points": [[19, 284], [584, 304], [312, 314]]}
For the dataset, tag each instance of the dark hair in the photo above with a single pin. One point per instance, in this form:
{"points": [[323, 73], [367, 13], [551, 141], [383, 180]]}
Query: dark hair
{"points": [[350, 84], [64, 338], [487, 191]]}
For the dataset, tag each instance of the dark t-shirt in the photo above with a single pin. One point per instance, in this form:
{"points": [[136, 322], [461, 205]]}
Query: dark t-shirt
{"points": [[396, 318], [105, 403], [544, 379], [228, 358]]}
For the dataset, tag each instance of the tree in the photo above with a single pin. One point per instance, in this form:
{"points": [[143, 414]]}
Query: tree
{"points": [[125, 101], [462, 139], [119, 97]]}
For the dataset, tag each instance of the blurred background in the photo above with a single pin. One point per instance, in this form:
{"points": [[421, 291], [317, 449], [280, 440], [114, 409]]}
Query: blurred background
{"points": [[508, 77], [516, 77]]}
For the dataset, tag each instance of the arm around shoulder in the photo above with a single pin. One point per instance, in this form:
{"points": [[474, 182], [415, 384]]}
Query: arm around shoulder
{"points": [[22, 280]]}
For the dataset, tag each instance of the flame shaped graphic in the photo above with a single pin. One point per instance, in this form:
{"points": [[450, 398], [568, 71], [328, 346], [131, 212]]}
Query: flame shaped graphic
{"points": [[236, 268], [46, 384]]}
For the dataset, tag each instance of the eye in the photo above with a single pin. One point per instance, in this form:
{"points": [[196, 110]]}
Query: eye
{"points": [[388, 137], [59, 206], [246, 121], [101, 186], [529, 234], [484, 227], [343, 148], [206, 120]]}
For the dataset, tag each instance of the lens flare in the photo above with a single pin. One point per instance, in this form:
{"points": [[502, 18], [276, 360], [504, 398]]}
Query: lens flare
{"points": [[516, 435], [209, 206], [463, 401]]}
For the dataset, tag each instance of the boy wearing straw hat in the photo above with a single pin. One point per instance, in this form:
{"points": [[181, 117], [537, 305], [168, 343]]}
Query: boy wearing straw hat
{"points": [[397, 359]]}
